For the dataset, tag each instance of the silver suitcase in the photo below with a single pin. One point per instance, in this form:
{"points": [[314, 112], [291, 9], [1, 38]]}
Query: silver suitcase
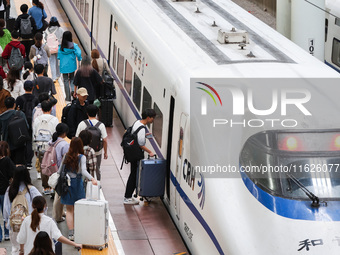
{"points": [[91, 220]]}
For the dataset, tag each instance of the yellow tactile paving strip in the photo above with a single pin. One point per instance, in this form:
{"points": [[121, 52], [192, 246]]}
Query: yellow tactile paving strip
{"points": [[110, 250]]}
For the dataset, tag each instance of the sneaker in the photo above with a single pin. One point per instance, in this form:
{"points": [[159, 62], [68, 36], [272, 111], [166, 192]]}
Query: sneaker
{"points": [[61, 220], [46, 191], [29, 166], [38, 176], [71, 237], [130, 201], [6, 238]]}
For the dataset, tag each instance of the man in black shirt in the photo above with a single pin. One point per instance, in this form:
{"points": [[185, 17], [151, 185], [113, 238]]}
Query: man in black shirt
{"points": [[42, 83]]}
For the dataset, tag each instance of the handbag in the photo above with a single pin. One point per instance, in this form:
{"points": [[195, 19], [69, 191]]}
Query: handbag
{"points": [[53, 180]]}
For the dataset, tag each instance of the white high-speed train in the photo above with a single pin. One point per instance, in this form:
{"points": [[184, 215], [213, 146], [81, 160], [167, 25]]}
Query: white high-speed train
{"points": [[248, 122]]}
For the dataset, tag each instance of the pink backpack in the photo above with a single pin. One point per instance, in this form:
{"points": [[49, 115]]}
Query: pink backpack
{"points": [[52, 42], [49, 162]]}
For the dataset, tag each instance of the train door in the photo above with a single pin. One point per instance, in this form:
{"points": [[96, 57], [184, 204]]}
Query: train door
{"points": [[169, 148], [94, 23], [180, 160]]}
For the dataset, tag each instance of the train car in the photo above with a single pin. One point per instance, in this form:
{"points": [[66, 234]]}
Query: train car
{"points": [[194, 61], [332, 37]]}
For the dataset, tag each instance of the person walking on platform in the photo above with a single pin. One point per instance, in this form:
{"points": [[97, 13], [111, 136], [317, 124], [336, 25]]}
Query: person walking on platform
{"points": [[15, 43], [87, 77], [28, 74], [53, 36], [91, 159], [46, 124], [7, 168], [75, 166], [40, 52], [26, 103], [21, 183], [27, 28], [4, 8], [68, 53], [92, 111], [61, 148], [37, 111], [148, 116], [42, 244], [36, 222], [98, 63], [17, 151], [5, 37], [77, 112], [42, 83], [4, 93], [38, 13], [13, 83]]}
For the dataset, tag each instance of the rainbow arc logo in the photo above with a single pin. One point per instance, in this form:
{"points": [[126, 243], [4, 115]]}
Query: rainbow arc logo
{"points": [[211, 92]]}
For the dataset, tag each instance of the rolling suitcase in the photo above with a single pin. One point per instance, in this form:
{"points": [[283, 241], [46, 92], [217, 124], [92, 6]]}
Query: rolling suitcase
{"points": [[91, 215], [106, 111], [151, 177], [10, 24]]}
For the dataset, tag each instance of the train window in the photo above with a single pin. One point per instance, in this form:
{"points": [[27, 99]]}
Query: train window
{"points": [[336, 52], [120, 67], [81, 9], [114, 57], [146, 99], [137, 90], [337, 21], [86, 13], [78, 4], [157, 126], [128, 77]]}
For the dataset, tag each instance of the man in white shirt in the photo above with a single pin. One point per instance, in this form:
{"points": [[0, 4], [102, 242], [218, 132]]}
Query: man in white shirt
{"points": [[92, 111], [45, 122]]}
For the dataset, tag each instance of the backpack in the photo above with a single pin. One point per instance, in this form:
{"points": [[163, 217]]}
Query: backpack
{"points": [[27, 108], [62, 186], [43, 59], [19, 210], [17, 128], [66, 110], [97, 141], [49, 162], [132, 151], [42, 136], [16, 60], [38, 111], [26, 28], [52, 42]]}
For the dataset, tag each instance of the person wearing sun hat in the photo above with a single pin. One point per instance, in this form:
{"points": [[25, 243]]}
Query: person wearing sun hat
{"points": [[77, 112], [54, 31]]}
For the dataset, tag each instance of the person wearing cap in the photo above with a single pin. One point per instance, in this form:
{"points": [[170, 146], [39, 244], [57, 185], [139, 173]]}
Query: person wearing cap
{"points": [[29, 101], [54, 28], [77, 112], [26, 40]]}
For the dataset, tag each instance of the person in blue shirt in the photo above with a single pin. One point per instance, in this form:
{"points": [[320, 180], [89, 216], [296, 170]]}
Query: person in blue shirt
{"points": [[68, 53], [38, 13]]}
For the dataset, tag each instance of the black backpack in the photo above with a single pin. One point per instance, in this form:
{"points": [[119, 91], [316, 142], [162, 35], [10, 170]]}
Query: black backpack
{"points": [[27, 108], [66, 110], [18, 133], [97, 141], [131, 148], [62, 186]]}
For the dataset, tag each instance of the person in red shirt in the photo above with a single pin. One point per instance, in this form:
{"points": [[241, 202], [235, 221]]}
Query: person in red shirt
{"points": [[14, 43]]}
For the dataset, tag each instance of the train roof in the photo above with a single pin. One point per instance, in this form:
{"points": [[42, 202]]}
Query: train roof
{"points": [[186, 40]]}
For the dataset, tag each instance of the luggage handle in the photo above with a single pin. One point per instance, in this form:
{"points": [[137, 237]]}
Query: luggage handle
{"points": [[152, 156], [89, 190]]}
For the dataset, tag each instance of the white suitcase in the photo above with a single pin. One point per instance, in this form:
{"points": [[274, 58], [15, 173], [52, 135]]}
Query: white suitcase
{"points": [[91, 220]]}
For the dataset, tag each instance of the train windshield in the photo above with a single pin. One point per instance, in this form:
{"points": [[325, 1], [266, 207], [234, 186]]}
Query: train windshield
{"points": [[284, 163]]}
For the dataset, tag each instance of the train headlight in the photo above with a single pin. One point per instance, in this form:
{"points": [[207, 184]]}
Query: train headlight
{"points": [[336, 143]]}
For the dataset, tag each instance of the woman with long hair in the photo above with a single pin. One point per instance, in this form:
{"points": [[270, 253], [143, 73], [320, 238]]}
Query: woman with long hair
{"points": [[28, 74], [75, 166], [61, 148], [68, 53], [87, 77], [13, 83], [38, 13], [21, 183], [54, 31], [39, 52], [7, 168], [42, 245], [99, 64], [36, 222], [3, 95]]}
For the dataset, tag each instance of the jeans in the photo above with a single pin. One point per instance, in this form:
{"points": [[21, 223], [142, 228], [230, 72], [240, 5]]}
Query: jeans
{"points": [[2, 197], [54, 65], [68, 84]]}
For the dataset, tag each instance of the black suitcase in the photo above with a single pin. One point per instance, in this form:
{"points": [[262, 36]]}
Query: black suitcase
{"points": [[106, 111], [10, 24], [151, 178]]}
